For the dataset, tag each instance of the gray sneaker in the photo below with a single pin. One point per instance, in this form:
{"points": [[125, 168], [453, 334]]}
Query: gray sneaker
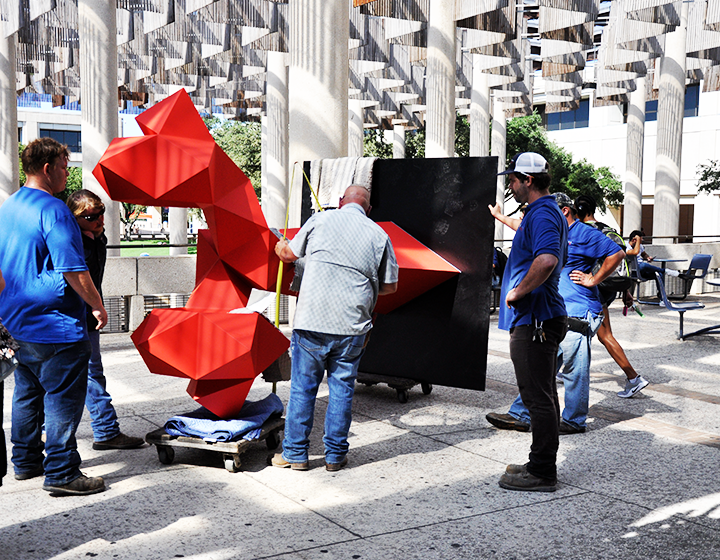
{"points": [[633, 386]]}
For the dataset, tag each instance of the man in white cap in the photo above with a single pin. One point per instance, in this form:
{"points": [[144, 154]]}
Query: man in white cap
{"points": [[534, 312]]}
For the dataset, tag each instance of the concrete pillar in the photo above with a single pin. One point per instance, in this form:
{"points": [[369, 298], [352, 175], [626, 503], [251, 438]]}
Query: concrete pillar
{"points": [[275, 156], [9, 164], [356, 130], [398, 141], [440, 80], [99, 98], [632, 216], [479, 112], [318, 83], [177, 223], [499, 149], [671, 105]]}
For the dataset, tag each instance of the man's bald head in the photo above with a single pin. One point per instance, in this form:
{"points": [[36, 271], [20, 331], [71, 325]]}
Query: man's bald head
{"points": [[358, 195]]}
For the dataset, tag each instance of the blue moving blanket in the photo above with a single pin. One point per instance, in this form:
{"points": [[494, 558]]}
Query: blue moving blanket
{"points": [[204, 424]]}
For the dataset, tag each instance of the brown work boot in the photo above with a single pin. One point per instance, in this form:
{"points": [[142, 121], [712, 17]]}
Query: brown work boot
{"points": [[334, 467], [120, 441], [524, 481], [507, 422], [277, 460], [81, 486]]}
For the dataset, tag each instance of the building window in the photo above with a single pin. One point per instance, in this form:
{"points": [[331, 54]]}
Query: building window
{"points": [[579, 118], [692, 102], [69, 137]]}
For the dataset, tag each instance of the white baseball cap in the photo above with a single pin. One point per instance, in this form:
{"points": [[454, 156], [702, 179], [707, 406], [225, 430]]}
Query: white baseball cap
{"points": [[528, 163]]}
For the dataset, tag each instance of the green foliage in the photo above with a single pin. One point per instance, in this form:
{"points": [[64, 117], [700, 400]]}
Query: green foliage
{"points": [[462, 136], [374, 144], [23, 177], [415, 143], [526, 134], [242, 142], [709, 176]]}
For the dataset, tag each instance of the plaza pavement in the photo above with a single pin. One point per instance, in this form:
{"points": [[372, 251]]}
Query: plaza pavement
{"points": [[642, 483]]}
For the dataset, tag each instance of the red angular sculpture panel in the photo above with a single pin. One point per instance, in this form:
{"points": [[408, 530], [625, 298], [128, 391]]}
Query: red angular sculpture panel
{"points": [[177, 163]]}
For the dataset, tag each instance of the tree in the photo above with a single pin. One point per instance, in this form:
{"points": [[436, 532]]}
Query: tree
{"points": [[526, 134], [241, 141], [129, 214], [709, 176], [374, 144]]}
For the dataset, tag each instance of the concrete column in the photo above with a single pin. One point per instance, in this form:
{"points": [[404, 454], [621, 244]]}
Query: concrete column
{"points": [[479, 113], [99, 98], [499, 149], [318, 83], [398, 141], [177, 223], [632, 216], [356, 130], [671, 105], [9, 164], [275, 156], [440, 80]]}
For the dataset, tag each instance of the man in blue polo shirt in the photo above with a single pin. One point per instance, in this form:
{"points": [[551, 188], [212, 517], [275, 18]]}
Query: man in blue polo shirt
{"points": [[533, 311], [43, 307]]}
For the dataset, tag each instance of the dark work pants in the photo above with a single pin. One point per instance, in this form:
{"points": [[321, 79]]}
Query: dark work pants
{"points": [[535, 368]]}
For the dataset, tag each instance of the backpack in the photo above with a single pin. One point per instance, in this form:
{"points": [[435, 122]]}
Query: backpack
{"points": [[499, 260], [620, 280]]}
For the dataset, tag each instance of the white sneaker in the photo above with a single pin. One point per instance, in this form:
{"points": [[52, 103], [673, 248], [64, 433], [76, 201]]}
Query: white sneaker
{"points": [[633, 386]]}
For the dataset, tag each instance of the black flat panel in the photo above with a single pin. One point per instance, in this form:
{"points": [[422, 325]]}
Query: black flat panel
{"points": [[440, 337]]}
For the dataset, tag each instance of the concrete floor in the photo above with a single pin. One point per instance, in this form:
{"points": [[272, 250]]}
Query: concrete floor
{"points": [[641, 483]]}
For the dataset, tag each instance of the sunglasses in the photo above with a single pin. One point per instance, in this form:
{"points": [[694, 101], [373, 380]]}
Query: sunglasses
{"points": [[93, 217]]}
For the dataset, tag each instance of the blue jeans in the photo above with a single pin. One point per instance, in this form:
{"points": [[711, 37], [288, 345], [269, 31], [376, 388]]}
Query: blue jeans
{"points": [[103, 417], [574, 355], [647, 271], [312, 354], [50, 387]]}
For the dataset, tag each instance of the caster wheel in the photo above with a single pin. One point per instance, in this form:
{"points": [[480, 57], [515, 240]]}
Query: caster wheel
{"points": [[272, 441], [402, 396], [426, 388], [166, 455], [232, 463]]}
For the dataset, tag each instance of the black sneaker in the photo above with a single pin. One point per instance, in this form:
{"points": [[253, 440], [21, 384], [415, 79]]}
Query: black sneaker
{"points": [[81, 486], [526, 482], [27, 475], [567, 429], [120, 441], [507, 422]]}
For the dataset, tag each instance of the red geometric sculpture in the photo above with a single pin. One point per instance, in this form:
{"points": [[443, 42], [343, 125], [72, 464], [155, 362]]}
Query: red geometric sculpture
{"points": [[177, 163], [221, 352]]}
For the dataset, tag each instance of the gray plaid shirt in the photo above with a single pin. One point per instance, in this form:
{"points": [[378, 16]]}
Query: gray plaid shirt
{"points": [[348, 256]]}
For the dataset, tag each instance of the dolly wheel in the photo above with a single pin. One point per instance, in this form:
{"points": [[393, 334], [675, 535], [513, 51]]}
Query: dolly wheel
{"points": [[272, 441], [166, 455], [402, 396], [426, 388], [232, 463]]}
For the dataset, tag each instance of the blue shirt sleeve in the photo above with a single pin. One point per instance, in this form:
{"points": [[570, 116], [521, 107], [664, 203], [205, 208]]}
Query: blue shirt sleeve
{"points": [[546, 238], [64, 243]]}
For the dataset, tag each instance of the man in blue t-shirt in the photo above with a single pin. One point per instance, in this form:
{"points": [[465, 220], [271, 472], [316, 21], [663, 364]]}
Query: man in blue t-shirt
{"points": [[532, 309], [43, 307]]}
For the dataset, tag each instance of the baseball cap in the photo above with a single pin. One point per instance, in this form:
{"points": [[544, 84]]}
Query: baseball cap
{"points": [[564, 200], [528, 163]]}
